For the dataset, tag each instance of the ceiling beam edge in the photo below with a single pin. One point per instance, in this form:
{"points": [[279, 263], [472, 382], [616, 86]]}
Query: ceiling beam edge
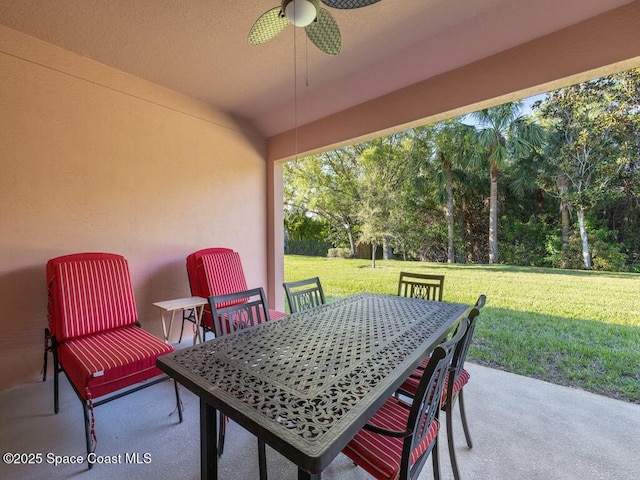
{"points": [[598, 46]]}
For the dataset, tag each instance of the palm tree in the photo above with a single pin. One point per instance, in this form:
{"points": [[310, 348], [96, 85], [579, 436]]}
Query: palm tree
{"points": [[454, 144], [504, 134]]}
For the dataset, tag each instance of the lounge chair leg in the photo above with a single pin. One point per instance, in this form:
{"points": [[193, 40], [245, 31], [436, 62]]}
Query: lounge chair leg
{"points": [[87, 430], [56, 382], [46, 356], [463, 416]]}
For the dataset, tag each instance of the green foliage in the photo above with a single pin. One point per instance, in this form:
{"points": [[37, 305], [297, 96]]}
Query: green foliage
{"points": [[607, 254], [572, 168], [524, 242], [592, 147], [306, 247], [300, 226], [325, 186]]}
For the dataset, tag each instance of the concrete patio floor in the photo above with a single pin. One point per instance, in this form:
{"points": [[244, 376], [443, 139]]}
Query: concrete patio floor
{"points": [[521, 428]]}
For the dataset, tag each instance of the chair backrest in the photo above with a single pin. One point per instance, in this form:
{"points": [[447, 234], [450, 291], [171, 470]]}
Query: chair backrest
{"points": [[234, 311], [419, 285], [426, 404], [460, 354], [192, 267], [304, 294], [215, 271], [89, 293]]}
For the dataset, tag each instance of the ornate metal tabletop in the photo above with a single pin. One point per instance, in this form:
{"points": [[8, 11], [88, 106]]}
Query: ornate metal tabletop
{"points": [[308, 382]]}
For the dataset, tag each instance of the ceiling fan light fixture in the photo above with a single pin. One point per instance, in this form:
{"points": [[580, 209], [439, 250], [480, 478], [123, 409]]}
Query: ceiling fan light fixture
{"points": [[300, 12]]}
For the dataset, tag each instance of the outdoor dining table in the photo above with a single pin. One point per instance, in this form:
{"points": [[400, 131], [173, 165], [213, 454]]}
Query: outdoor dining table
{"points": [[305, 384]]}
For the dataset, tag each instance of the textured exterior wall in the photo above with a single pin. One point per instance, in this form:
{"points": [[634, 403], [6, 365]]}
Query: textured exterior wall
{"points": [[92, 159]]}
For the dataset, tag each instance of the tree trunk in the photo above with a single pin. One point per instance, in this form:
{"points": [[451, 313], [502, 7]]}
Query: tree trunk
{"points": [[493, 216], [448, 212], [566, 228], [374, 249], [352, 243], [387, 251], [586, 254]]}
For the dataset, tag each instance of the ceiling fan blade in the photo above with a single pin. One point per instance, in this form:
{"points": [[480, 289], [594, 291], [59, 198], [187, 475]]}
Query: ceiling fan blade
{"points": [[324, 33], [270, 24], [348, 4]]}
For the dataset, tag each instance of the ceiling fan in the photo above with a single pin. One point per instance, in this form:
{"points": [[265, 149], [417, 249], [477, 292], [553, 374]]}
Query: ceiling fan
{"points": [[318, 23]]}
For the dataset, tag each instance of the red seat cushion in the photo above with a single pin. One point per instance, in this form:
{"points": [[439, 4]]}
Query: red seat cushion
{"points": [[410, 385], [380, 455], [108, 361], [275, 314]]}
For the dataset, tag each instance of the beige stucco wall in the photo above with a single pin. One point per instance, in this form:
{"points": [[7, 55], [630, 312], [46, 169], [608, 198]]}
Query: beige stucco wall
{"points": [[92, 159]]}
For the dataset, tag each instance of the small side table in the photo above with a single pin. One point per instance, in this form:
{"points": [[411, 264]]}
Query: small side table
{"points": [[190, 303]]}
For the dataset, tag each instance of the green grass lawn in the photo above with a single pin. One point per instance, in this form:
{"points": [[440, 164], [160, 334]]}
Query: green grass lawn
{"points": [[573, 328]]}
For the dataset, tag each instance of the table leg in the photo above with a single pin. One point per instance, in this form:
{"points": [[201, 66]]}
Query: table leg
{"points": [[208, 442], [262, 459], [165, 334], [173, 315], [302, 475], [198, 317]]}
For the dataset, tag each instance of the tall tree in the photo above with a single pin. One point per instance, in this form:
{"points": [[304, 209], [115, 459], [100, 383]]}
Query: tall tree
{"points": [[587, 119], [385, 165], [326, 185], [504, 133], [454, 148]]}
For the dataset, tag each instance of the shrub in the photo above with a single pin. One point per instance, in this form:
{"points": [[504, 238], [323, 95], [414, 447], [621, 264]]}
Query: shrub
{"points": [[523, 243], [606, 254], [339, 253]]}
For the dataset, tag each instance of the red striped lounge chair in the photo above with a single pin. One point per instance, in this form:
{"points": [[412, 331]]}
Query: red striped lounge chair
{"points": [[94, 333]]}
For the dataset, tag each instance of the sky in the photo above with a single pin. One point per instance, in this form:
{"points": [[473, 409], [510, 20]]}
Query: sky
{"points": [[527, 104]]}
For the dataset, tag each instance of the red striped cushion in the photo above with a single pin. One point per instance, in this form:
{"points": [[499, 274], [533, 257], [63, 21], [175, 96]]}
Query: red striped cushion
{"points": [[218, 271], [222, 273], [108, 361], [193, 260], [410, 385], [460, 382], [380, 455], [91, 295], [275, 314]]}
